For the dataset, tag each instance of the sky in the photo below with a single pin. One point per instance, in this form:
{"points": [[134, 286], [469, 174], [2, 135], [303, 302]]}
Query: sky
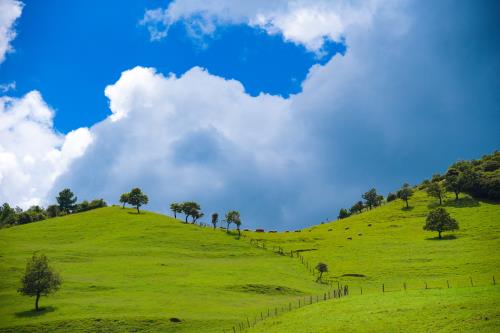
{"points": [[283, 110]]}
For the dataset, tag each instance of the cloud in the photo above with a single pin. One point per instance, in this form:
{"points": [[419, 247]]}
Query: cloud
{"points": [[10, 11], [32, 153], [7, 87], [407, 99], [303, 22], [170, 136]]}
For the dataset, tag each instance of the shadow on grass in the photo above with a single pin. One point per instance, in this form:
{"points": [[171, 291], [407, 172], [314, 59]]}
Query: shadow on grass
{"points": [[461, 202], [135, 213], [34, 313], [445, 237], [407, 209]]}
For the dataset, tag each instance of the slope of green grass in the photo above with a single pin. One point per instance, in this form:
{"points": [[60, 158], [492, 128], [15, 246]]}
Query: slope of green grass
{"points": [[388, 246], [128, 272], [437, 310]]}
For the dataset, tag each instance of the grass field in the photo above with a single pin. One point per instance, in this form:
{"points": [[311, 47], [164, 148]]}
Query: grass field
{"points": [[125, 272], [435, 310], [388, 246]]}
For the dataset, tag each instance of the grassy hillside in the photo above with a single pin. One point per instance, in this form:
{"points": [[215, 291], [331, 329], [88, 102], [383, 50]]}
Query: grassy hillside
{"points": [[127, 272], [437, 310], [388, 245]]}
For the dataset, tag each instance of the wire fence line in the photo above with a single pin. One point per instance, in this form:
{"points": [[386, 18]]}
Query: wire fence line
{"points": [[339, 290]]}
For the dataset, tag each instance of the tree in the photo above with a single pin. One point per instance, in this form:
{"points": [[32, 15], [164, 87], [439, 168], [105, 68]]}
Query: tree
{"points": [[136, 198], [176, 208], [66, 200], [233, 216], [189, 208], [357, 207], [436, 190], [371, 198], [53, 211], [124, 199], [322, 268], [459, 177], [391, 197], [196, 214], [39, 279], [440, 220], [405, 193], [343, 214], [215, 219], [8, 215]]}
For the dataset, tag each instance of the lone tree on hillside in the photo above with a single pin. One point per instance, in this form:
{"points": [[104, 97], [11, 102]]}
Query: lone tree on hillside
{"points": [[190, 208], [405, 193], [176, 208], [233, 216], [371, 197], [124, 199], [440, 220], [136, 198], [66, 200], [39, 279], [343, 214], [215, 219], [322, 268], [437, 191]]}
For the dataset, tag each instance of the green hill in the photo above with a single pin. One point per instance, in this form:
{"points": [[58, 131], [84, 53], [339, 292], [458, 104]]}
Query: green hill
{"points": [[387, 246], [128, 272]]}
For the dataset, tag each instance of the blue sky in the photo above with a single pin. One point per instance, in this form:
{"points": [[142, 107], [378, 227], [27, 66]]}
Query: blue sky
{"points": [[70, 52], [284, 110]]}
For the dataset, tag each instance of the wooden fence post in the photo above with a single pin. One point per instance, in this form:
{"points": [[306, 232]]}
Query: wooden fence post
{"points": [[472, 284], [361, 289], [248, 322], [494, 280], [234, 330], [404, 285], [383, 288], [448, 283], [426, 285]]}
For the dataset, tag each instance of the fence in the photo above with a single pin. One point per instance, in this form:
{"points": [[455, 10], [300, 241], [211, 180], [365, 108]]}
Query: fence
{"points": [[342, 291]]}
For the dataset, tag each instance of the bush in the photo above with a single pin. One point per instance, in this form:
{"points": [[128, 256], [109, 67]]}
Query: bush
{"points": [[391, 197]]}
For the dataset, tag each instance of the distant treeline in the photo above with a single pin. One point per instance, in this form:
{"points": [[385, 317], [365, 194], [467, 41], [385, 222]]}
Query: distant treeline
{"points": [[477, 178], [66, 204]]}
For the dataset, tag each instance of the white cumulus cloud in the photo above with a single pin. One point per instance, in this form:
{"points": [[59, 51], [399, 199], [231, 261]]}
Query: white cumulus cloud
{"points": [[304, 22], [10, 11], [32, 153]]}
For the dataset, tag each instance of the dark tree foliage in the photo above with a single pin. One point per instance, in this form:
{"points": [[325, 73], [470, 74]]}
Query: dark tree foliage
{"points": [[391, 197], [343, 213], [215, 219], [440, 220], [53, 211], [190, 208], [39, 278], [176, 208], [322, 268], [66, 200], [404, 193], [371, 198], [136, 198], [124, 199], [357, 207]]}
